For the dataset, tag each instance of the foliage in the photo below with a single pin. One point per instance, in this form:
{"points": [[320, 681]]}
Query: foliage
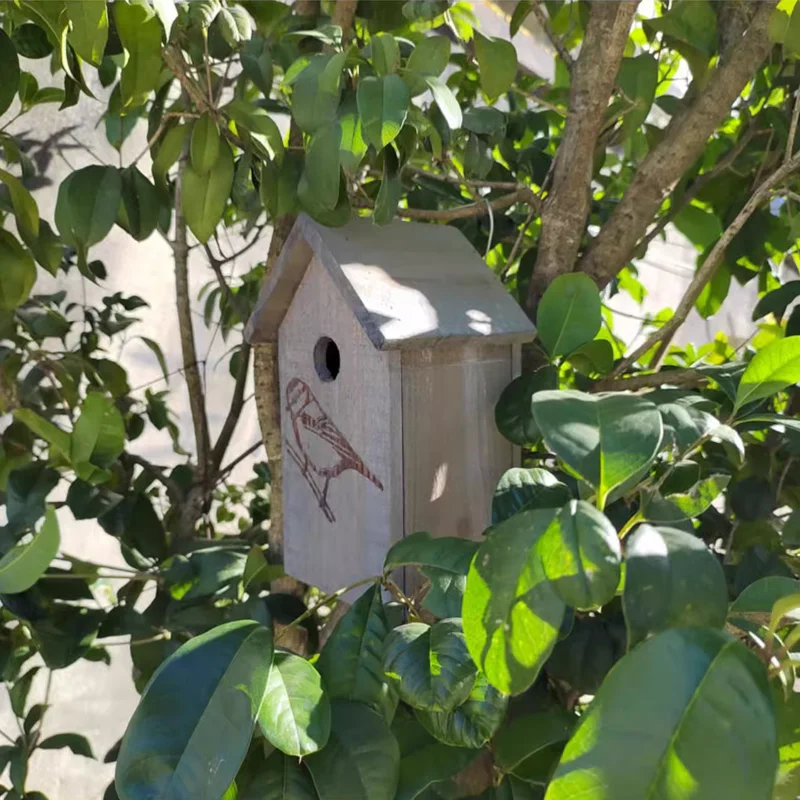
{"points": [[627, 626]]}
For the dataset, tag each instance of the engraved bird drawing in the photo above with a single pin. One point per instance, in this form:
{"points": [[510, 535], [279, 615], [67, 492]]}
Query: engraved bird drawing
{"points": [[320, 449]]}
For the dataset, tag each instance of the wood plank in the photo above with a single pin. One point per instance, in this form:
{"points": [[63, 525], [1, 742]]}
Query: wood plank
{"points": [[342, 466]]}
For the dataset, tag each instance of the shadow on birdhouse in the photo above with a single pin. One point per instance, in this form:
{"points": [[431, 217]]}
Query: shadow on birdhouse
{"points": [[394, 344]]}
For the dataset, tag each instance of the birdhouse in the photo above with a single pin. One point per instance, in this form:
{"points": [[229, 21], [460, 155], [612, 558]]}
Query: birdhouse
{"points": [[394, 344]]}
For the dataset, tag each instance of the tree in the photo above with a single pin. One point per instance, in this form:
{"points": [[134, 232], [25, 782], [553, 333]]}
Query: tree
{"points": [[627, 626]]}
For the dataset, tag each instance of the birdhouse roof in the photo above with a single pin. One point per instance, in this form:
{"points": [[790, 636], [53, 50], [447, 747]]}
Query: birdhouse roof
{"points": [[409, 284]]}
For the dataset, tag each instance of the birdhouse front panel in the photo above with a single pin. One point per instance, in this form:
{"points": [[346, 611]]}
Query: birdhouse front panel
{"points": [[342, 440]]}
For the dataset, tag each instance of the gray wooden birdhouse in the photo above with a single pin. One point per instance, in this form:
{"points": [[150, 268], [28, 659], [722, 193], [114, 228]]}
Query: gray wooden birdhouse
{"points": [[394, 344]]}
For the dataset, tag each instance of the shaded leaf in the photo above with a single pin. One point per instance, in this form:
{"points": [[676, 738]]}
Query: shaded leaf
{"points": [[513, 414], [526, 489], [204, 197], [24, 564], [383, 106], [569, 314], [771, 370]]}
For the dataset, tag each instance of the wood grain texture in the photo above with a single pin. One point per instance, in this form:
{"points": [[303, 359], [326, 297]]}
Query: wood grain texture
{"points": [[336, 537], [453, 454], [409, 285]]}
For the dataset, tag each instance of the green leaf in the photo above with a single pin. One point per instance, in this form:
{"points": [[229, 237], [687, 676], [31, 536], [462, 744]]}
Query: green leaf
{"points": [[527, 489], [140, 206], [204, 146], [661, 726], [257, 64], [260, 127], [751, 609], [471, 724], [383, 106], [428, 59], [444, 560], [605, 439], [88, 203], [714, 292], [280, 778], [167, 13], [58, 439], [521, 746], [279, 185], [9, 69], [204, 697], [31, 41], [512, 615], [78, 744], [384, 53], [702, 228], [446, 100], [24, 564], [89, 29], [203, 197], [27, 488], [569, 314], [99, 433], [429, 666], [581, 556], [771, 370], [513, 414], [351, 662], [18, 273], [361, 760], [484, 121], [309, 200], [140, 33], [700, 496], [524, 7], [791, 40], [18, 693], [322, 166], [497, 60], [593, 357], [168, 154], [316, 91], [26, 211], [777, 301], [87, 502], [671, 580], [352, 148], [391, 189], [295, 716]]}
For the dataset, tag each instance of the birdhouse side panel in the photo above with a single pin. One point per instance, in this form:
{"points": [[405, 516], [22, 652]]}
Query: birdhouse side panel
{"points": [[454, 455], [342, 444]]}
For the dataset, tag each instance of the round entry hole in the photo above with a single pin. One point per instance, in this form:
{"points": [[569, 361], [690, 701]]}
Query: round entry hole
{"points": [[326, 359]]}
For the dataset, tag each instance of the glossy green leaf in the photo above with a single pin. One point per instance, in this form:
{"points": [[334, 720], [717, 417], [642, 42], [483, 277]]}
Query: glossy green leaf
{"points": [[700, 496], [18, 273], [168, 154], [295, 716], [497, 59], [596, 356], [351, 663], [254, 122], [204, 145], [512, 615], [777, 301], [140, 206], [638, 79], [569, 314], [280, 778], [384, 53], [309, 200], [322, 171], [257, 64], [26, 211], [361, 760], [75, 742], [140, 33], [383, 106], [581, 555], [31, 41], [444, 560], [316, 91], [279, 185], [99, 433], [430, 56], [605, 439], [25, 563], [391, 189], [203, 197], [527, 489], [771, 370], [352, 147], [662, 726], [88, 29], [429, 666], [58, 439], [522, 746], [787, 712], [751, 610], [9, 69], [205, 695], [513, 413], [671, 579], [446, 101], [472, 724], [88, 203]]}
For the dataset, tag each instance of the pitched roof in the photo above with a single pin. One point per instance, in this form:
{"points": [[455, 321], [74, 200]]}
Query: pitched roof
{"points": [[409, 284]]}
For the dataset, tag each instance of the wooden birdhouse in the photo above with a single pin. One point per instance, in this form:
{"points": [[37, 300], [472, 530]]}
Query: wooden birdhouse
{"points": [[394, 344]]}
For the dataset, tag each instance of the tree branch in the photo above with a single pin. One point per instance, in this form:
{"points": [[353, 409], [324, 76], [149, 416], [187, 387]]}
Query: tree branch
{"points": [[566, 208], [522, 195], [663, 335], [197, 402], [676, 377], [681, 144], [556, 41], [172, 487]]}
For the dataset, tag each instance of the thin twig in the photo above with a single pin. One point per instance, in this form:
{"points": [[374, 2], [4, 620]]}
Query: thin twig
{"points": [[158, 472], [518, 243], [236, 461], [792, 127], [556, 41]]}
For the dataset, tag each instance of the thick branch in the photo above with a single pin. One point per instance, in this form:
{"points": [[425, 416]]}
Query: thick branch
{"points": [[191, 369], [522, 195], [703, 275], [683, 141], [677, 377], [567, 205]]}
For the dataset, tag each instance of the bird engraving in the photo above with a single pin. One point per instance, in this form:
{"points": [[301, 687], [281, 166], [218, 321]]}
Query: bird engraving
{"points": [[320, 449]]}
